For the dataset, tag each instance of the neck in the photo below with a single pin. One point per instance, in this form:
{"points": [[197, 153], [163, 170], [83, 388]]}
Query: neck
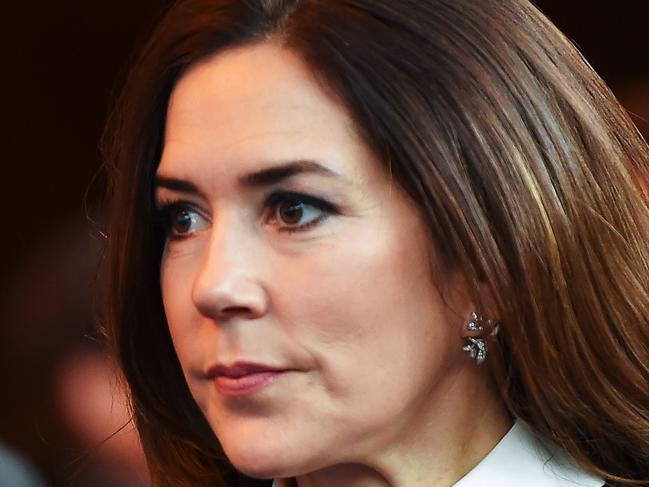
{"points": [[439, 448]]}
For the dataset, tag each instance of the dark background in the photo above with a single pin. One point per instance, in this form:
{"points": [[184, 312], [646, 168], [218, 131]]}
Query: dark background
{"points": [[62, 62]]}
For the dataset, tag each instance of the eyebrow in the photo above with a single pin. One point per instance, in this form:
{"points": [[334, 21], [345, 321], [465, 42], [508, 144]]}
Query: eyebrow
{"points": [[263, 177]]}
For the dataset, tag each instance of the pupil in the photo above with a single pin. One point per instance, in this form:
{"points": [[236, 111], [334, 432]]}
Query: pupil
{"points": [[291, 213], [183, 221]]}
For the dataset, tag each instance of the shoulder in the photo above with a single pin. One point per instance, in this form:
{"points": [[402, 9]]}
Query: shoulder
{"points": [[15, 471]]}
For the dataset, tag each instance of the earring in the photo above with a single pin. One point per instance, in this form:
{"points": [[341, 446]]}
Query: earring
{"points": [[477, 347]]}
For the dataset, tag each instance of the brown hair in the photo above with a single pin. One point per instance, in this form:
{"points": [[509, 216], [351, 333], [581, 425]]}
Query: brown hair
{"points": [[524, 168]]}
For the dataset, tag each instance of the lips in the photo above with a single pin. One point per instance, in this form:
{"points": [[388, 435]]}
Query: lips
{"points": [[239, 369], [243, 378]]}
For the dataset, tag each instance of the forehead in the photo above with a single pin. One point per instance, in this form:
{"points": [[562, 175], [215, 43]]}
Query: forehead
{"points": [[257, 103]]}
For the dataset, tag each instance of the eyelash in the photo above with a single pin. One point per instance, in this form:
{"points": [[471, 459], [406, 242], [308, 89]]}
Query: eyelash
{"points": [[165, 210]]}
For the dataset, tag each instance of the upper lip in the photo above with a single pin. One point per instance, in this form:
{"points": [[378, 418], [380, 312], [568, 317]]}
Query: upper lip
{"points": [[239, 369]]}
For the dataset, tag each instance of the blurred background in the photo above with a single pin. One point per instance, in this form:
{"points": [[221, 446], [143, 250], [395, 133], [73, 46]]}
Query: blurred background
{"points": [[63, 62]]}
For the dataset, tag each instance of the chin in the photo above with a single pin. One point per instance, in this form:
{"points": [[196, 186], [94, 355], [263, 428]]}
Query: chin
{"points": [[256, 463], [261, 458], [265, 449]]}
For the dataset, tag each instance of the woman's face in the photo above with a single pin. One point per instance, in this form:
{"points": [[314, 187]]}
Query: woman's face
{"points": [[296, 277]]}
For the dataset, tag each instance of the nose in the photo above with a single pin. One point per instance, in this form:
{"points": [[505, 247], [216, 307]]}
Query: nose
{"points": [[228, 283]]}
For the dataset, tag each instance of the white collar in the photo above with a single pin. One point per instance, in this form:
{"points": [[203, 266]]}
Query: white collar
{"points": [[520, 459]]}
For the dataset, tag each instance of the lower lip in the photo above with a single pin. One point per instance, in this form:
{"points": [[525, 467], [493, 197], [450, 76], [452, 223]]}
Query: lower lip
{"points": [[246, 384]]}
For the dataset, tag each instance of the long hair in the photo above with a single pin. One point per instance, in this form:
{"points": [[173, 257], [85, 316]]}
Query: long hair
{"points": [[524, 168]]}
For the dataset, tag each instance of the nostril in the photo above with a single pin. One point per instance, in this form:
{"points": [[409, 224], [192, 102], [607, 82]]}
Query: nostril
{"points": [[230, 311]]}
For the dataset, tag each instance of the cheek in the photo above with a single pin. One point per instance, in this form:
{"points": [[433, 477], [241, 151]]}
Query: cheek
{"points": [[176, 278], [369, 306], [177, 274]]}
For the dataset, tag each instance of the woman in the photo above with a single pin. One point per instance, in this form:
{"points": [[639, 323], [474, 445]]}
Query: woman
{"points": [[328, 215]]}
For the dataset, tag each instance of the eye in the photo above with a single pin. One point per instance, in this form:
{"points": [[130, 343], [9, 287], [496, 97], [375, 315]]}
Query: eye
{"points": [[181, 220], [297, 213], [293, 212]]}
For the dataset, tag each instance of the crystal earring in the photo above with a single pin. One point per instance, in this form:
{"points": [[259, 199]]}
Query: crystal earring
{"points": [[477, 346]]}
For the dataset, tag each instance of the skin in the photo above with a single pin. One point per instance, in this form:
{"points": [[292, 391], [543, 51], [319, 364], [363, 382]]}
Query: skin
{"points": [[381, 392]]}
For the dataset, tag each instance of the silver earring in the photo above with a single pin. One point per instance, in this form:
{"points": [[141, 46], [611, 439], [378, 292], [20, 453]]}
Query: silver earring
{"points": [[477, 347]]}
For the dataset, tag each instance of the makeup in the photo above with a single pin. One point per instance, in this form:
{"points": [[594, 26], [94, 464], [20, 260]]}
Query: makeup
{"points": [[243, 378]]}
